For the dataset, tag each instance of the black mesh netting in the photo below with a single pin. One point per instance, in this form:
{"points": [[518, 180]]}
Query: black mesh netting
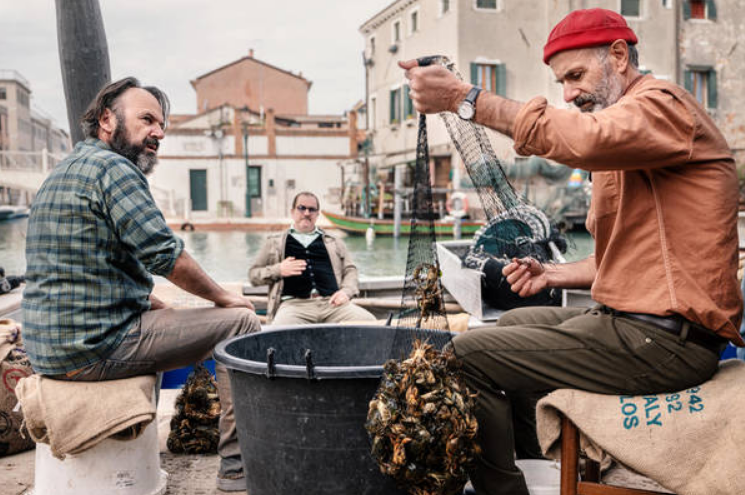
{"points": [[514, 228], [422, 304], [422, 429]]}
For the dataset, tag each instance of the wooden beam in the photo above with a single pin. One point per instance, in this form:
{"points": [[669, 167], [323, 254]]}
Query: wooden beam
{"points": [[589, 488]]}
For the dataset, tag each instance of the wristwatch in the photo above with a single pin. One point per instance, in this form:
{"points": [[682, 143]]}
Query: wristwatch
{"points": [[467, 107]]}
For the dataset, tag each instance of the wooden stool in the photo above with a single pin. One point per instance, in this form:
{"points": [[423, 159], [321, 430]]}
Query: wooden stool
{"points": [[590, 483]]}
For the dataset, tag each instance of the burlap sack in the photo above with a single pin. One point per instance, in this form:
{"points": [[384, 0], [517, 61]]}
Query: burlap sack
{"points": [[73, 417], [14, 365], [690, 442]]}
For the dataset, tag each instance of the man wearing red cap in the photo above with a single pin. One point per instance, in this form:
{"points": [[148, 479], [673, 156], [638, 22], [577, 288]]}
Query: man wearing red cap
{"points": [[663, 215]]}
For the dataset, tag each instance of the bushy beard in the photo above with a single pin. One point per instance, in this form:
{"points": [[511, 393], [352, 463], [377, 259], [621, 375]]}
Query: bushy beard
{"points": [[135, 153], [608, 91]]}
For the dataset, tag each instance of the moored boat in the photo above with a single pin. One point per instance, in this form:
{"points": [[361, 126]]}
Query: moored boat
{"points": [[8, 212], [359, 225]]}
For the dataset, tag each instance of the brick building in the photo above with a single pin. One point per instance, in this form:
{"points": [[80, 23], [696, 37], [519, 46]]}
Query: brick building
{"points": [[253, 83]]}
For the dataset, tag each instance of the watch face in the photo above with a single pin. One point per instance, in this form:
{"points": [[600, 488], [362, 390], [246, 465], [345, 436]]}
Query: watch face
{"points": [[465, 110]]}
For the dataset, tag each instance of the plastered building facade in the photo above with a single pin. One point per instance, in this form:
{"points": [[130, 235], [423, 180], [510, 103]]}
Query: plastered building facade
{"points": [[498, 45]]}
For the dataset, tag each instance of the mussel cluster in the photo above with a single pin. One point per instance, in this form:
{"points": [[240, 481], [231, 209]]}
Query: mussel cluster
{"points": [[194, 427], [421, 423]]}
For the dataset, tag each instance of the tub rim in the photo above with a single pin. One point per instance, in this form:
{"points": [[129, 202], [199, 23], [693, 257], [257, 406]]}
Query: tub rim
{"points": [[296, 371]]}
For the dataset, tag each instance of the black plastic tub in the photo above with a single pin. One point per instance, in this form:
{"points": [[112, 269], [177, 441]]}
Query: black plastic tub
{"points": [[301, 396]]}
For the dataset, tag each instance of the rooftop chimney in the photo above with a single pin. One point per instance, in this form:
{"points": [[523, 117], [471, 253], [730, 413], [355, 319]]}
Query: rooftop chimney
{"points": [[251, 53]]}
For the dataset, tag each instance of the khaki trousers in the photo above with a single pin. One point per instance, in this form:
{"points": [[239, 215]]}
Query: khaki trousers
{"points": [[298, 311], [167, 339], [536, 350]]}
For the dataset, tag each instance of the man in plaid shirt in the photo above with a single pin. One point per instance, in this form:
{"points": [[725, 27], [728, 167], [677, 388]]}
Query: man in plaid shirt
{"points": [[95, 236]]}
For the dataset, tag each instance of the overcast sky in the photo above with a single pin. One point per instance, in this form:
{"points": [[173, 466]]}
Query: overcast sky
{"points": [[169, 42]]}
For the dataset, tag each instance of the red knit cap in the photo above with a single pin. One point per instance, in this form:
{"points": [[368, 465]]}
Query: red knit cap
{"points": [[587, 28]]}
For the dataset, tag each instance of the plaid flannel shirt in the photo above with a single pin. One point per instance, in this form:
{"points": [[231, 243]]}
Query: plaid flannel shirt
{"points": [[94, 236]]}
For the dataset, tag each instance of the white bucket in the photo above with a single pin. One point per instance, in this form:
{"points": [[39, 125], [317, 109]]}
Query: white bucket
{"points": [[112, 467], [542, 476]]}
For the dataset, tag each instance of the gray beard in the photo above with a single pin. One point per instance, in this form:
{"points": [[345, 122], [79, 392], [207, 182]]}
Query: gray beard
{"points": [[608, 92], [146, 163]]}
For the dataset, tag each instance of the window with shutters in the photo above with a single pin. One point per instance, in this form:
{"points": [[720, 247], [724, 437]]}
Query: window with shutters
{"points": [[702, 83], [396, 31], [409, 111], [491, 77], [699, 9], [395, 106], [414, 21], [3, 94], [631, 8]]}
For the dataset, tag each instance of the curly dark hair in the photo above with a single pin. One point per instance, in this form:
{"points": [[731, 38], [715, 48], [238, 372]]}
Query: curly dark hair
{"points": [[107, 98]]}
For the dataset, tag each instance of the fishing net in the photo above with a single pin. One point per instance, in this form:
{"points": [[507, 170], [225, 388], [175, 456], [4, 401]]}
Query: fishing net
{"points": [[422, 303], [420, 421], [514, 228]]}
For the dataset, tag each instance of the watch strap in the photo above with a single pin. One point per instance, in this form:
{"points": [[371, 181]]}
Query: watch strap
{"points": [[472, 95]]}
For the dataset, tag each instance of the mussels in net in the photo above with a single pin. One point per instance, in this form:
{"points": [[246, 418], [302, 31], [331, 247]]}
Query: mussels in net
{"points": [[194, 427], [421, 423]]}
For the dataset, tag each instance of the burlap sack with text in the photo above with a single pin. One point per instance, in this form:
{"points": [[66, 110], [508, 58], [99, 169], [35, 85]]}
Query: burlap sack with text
{"points": [[691, 441], [14, 365]]}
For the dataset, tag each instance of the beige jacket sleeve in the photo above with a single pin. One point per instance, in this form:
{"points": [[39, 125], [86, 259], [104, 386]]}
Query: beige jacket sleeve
{"points": [[653, 127], [265, 269], [349, 276]]}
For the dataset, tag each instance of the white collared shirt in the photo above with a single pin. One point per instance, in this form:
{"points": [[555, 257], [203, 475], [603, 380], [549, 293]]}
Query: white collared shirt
{"points": [[306, 239]]}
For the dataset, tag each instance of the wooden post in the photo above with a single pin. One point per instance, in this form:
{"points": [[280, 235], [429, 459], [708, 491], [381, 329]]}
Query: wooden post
{"points": [[569, 457], [84, 57]]}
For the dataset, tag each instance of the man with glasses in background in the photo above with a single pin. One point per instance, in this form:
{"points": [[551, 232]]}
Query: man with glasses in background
{"points": [[310, 273]]}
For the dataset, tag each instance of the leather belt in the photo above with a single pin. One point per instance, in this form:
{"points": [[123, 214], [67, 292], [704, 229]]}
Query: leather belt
{"points": [[676, 325]]}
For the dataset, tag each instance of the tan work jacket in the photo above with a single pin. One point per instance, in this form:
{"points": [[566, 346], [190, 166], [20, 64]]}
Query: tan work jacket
{"points": [[664, 200], [265, 269]]}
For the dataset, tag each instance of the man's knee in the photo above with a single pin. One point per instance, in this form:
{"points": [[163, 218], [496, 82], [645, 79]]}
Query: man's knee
{"points": [[516, 316], [360, 314], [243, 321]]}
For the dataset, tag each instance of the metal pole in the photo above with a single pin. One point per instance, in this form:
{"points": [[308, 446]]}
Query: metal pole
{"points": [[84, 57], [248, 171], [368, 141], [397, 200]]}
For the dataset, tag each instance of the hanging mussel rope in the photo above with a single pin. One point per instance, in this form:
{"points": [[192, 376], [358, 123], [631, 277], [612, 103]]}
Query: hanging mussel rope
{"points": [[194, 427], [420, 422]]}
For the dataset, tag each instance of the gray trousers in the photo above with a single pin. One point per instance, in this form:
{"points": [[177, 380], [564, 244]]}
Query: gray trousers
{"points": [[536, 350], [298, 311], [167, 339]]}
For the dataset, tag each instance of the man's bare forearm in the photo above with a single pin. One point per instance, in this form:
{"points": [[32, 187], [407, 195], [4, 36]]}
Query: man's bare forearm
{"points": [[188, 275], [577, 275]]}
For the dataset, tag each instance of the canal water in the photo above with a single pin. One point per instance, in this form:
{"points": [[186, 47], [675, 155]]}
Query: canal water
{"points": [[226, 256]]}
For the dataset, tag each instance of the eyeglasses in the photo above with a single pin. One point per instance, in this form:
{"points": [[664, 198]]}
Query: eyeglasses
{"points": [[309, 209]]}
